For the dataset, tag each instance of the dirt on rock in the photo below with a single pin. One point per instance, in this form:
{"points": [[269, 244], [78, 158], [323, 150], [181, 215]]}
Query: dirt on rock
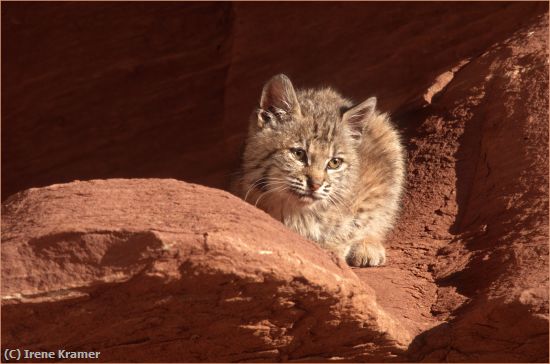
{"points": [[162, 270], [472, 242]]}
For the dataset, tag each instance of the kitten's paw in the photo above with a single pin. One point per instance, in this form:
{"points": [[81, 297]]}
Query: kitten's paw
{"points": [[366, 254]]}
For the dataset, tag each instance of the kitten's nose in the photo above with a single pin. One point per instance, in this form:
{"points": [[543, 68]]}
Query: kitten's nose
{"points": [[313, 184]]}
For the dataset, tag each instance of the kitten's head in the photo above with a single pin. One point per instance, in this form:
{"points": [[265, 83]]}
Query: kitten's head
{"points": [[303, 146]]}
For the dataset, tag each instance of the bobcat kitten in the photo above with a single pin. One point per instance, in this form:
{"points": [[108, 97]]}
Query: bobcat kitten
{"points": [[331, 171]]}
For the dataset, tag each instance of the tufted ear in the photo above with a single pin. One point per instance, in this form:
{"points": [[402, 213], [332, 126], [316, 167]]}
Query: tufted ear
{"points": [[278, 100], [359, 115]]}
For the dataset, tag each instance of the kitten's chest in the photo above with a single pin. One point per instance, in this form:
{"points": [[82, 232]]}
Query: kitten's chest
{"points": [[318, 226]]}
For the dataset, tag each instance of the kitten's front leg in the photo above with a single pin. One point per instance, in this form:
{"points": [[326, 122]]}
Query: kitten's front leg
{"points": [[368, 253]]}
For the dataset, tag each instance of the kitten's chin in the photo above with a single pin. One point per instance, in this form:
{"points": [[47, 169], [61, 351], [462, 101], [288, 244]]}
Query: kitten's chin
{"points": [[307, 200]]}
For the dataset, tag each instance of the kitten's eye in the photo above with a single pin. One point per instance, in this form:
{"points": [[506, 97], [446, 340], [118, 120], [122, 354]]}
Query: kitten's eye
{"points": [[299, 153], [334, 163]]}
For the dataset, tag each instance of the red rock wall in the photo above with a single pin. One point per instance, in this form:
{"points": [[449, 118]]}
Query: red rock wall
{"points": [[100, 90]]}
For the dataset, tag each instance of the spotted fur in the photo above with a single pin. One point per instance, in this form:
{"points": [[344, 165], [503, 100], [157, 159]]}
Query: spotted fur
{"points": [[294, 140]]}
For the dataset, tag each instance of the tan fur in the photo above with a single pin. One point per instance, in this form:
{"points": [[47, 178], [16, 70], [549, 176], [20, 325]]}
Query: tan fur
{"points": [[348, 209]]}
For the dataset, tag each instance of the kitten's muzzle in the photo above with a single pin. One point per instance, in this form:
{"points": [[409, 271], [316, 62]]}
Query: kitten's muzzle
{"points": [[314, 184], [305, 196]]}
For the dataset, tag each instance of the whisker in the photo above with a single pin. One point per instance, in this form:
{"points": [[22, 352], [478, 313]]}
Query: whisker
{"points": [[276, 189], [261, 180]]}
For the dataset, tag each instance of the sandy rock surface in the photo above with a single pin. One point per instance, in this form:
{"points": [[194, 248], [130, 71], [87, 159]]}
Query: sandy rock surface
{"points": [[474, 230], [162, 270]]}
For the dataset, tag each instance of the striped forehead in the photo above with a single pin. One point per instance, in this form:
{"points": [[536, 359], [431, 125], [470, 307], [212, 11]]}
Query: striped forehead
{"points": [[323, 130], [321, 124], [319, 147]]}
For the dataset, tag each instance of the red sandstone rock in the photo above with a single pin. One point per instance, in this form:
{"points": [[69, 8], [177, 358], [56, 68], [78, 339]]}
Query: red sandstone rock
{"points": [[486, 141], [160, 270]]}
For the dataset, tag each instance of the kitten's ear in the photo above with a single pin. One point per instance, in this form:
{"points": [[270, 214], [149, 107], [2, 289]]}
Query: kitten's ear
{"points": [[360, 114], [278, 98]]}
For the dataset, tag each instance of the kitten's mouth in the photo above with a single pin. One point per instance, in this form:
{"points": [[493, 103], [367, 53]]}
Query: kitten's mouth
{"points": [[307, 197]]}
